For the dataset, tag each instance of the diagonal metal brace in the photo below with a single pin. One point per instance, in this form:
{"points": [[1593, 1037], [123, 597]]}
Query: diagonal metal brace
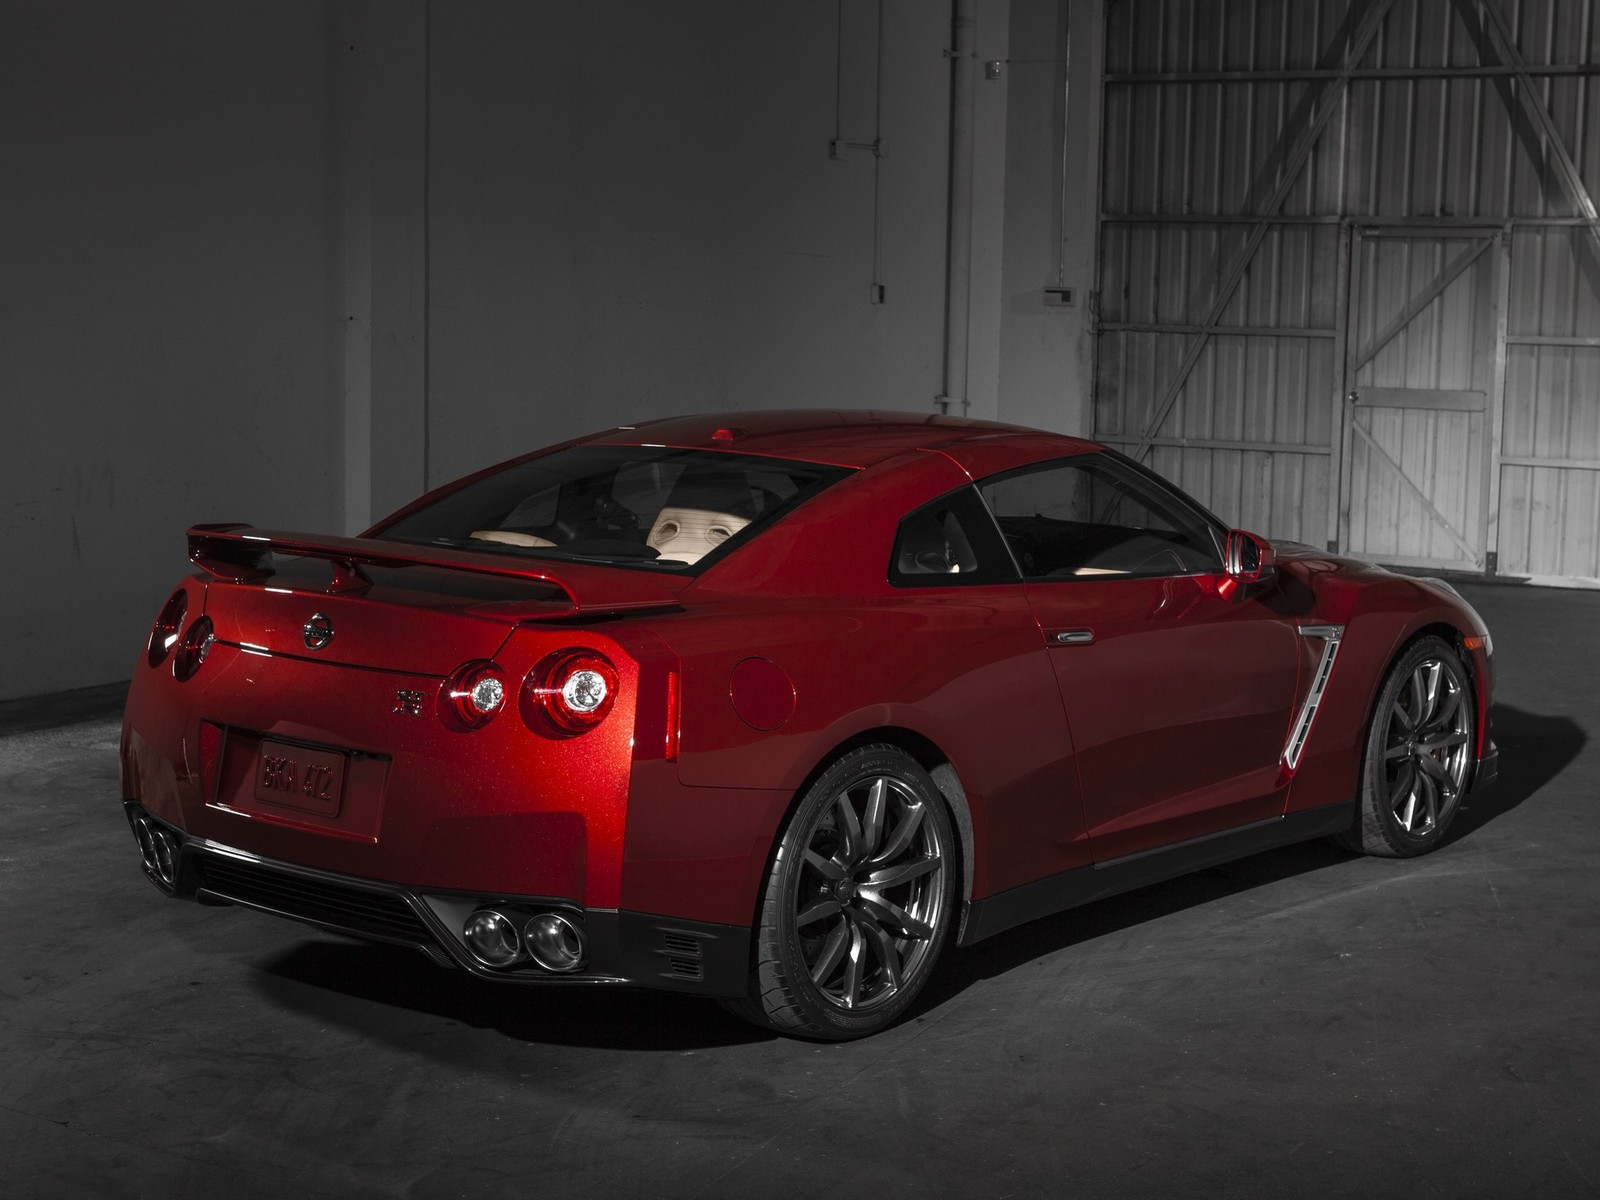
{"points": [[1555, 146], [1325, 106], [1427, 296], [1385, 457]]}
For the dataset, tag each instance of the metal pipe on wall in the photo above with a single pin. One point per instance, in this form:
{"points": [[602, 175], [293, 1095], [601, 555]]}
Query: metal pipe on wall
{"points": [[958, 244], [841, 144]]}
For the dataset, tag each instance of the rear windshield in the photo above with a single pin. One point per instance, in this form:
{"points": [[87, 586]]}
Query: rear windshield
{"points": [[646, 506]]}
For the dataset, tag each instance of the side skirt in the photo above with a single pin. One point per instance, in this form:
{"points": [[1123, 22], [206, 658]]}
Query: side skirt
{"points": [[1081, 885]]}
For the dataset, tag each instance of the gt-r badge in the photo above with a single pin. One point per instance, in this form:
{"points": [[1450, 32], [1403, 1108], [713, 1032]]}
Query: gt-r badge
{"points": [[408, 702], [318, 632]]}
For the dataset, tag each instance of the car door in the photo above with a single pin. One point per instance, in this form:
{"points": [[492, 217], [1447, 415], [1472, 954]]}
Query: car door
{"points": [[1178, 691]]}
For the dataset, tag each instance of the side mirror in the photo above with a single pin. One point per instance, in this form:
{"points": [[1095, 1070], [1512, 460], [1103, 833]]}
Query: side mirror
{"points": [[1249, 558]]}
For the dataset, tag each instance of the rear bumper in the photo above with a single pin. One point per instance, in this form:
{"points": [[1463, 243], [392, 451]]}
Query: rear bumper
{"points": [[626, 948]]}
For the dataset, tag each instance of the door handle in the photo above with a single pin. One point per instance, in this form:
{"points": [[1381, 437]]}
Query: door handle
{"points": [[1069, 637]]}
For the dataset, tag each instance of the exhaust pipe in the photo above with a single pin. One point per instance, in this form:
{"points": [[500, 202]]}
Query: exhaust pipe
{"points": [[159, 850], [556, 942], [492, 936]]}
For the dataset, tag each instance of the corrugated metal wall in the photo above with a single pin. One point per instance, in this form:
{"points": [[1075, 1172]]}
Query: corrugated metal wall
{"points": [[1349, 283]]}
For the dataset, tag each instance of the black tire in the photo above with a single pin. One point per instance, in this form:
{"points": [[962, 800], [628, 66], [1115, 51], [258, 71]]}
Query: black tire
{"points": [[1420, 753], [858, 901]]}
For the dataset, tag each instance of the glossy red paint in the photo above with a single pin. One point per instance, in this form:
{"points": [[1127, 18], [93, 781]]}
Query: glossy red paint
{"points": [[1179, 707], [761, 693], [1074, 723]]}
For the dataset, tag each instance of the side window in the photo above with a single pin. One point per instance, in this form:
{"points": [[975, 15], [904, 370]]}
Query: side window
{"points": [[1085, 518], [947, 542]]}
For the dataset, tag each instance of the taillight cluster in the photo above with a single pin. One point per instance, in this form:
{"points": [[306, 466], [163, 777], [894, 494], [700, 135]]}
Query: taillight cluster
{"points": [[187, 652], [194, 647], [165, 634], [473, 694], [567, 693]]}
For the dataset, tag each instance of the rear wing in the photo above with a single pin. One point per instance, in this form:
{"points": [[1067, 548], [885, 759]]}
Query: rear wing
{"points": [[243, 554]]}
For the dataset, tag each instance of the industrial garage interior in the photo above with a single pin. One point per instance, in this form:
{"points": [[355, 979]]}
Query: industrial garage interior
{"points": [[1331, 266]]}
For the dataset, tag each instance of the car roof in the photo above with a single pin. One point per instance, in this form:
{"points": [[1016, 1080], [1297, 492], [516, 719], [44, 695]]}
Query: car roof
{"points": [[841, 437]]}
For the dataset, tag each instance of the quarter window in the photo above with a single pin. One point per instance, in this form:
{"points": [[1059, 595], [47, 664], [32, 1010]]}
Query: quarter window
{"points": [[950, 541]]}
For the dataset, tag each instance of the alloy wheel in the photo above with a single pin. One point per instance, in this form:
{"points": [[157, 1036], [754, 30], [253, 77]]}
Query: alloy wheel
{"points": [[1427, 753], [871, 893]]}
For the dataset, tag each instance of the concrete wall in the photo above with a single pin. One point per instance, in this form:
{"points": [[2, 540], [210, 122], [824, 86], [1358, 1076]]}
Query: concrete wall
{"points": [[1052, 172], [289, 263], [652, 222], [167, 331]]}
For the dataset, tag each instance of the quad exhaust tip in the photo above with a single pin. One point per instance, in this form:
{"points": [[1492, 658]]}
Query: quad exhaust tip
{"points": [[553, 941], [159, 849]]}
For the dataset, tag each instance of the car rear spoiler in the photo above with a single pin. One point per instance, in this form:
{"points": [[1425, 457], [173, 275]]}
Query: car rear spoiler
{"points": [[243, 554]]}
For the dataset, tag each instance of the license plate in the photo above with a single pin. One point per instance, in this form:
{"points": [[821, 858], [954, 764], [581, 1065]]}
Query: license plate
{"points": [[294, 777]]}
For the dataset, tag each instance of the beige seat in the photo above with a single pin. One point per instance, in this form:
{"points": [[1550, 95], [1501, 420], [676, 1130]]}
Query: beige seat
{"points": [[510, 537], [685, 534]]}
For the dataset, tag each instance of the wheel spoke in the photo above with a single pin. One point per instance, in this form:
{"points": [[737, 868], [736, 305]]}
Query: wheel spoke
{"points": [[828, 868], [1405, 783], [901, 873], [1445, 787], [896, 917], [1419, 698], [1442, 741], [1449, 708], [1400, 751], [854, 966], [1410, 812], [849, 829], [872, 825], [882, 945], [902, 835], [1433, 769], [832, 951], [1430, 802], [819, 910], [1432, 672], [1403, 718]]}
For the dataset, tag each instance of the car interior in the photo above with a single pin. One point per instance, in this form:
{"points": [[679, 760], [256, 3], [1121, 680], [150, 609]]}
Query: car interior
{"points": [[668, 512], [932, 542]]}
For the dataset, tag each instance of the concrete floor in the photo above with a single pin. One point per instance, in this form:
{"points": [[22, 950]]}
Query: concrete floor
{"points": [[1301, 1023]]}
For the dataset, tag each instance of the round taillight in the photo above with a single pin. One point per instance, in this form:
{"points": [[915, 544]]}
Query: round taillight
{"points": [[164, 636], [569, 692], [194, 647], [473, 694]]}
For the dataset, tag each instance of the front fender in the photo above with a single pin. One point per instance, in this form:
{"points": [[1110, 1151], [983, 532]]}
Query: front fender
{"points": [[1381, 616]]}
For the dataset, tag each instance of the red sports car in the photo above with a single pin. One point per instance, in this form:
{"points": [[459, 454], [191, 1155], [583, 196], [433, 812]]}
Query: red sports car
{"points": [[769, 707]]}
